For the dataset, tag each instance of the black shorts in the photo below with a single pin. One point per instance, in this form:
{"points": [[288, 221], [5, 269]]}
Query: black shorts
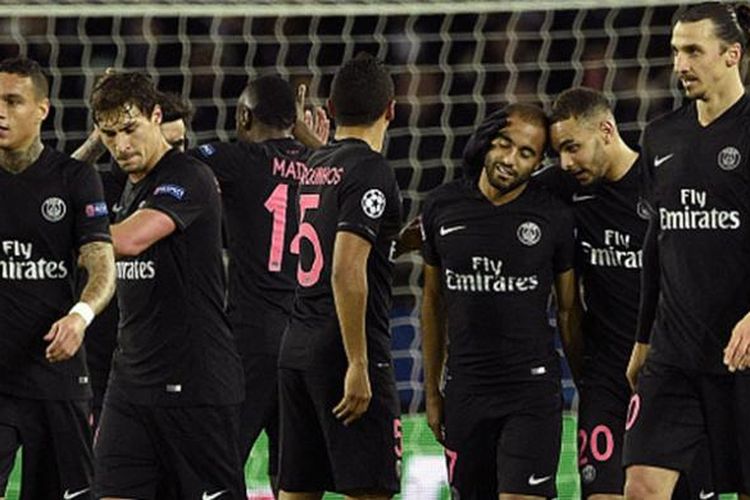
{"points": [[504, 442], [149, 452], [260, 410], [319, 453], [56, 439], [601, 426], [675, 414]]}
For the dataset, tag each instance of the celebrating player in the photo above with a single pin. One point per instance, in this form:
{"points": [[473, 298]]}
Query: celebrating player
{"points": [[340, 427], [693, 330], [494, 244], [54, 218], [170, 418], [258, 176]]}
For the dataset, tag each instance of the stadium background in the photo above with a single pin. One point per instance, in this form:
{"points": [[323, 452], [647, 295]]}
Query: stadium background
{"points": [[452, 62]]}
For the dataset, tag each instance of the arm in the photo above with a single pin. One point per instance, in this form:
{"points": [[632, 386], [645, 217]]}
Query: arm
{"points": [[141, 230], [649, 300], [66, 334], [569, 312], [433, 347], [410, 237], [349, 282], [91, 150]]}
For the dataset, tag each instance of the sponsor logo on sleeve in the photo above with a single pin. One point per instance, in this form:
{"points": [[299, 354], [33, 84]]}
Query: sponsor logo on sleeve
{"points": [[207, 150], [54, 209], [373, 203], [173, 190], [98, 209]]}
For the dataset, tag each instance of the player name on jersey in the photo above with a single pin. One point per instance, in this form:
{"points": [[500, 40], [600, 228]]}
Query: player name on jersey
{"points": [[299, 171], [488, 277], [696, 214], [17, 263]]}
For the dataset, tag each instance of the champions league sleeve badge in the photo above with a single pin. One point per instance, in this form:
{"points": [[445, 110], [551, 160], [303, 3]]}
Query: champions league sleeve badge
{"points": [[373, 203]]}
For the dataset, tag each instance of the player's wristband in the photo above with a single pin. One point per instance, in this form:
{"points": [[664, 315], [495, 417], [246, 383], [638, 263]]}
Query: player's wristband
{"points": [[83, 310]]}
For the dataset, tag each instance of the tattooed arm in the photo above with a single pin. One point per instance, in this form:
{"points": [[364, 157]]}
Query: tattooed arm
{"points": [[66, 334]]}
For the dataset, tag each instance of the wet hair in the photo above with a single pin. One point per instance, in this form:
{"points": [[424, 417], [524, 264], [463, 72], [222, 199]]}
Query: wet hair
{"points": [[271, 100], [578, 103], [731, 20], [361, 91], [174, 107], [23, 66], [115, 91]]}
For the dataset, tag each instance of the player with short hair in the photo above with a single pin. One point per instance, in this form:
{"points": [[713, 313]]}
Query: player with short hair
{"points": [[693, 329], [494, 247], [340, 427], [54, 221], [170, 418], [259, 175], [101, 340]]}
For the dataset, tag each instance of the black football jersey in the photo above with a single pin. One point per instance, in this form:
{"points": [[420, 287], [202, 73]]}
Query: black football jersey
{"points": [[174, 343], [49, 211], [347, 187], [498, 265], [611, 225], [259, 194], [698, 185]]}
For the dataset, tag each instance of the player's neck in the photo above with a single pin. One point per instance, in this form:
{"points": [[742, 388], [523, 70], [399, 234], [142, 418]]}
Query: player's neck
{"points": [[16, 161], [373, 135], [496, 196], [623, 160], [719, 101], [259, 133]]}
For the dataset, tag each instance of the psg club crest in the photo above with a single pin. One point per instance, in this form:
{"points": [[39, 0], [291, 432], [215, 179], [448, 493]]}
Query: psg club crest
{"points": [[373, 203], [529, 233], [53, 209], [588, 474], [729, 158]]}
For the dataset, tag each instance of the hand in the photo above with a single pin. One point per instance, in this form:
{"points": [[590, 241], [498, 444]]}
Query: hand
{"points": [[637, 359], [737, 351], [481, 141], [357, 394], [65, 337], [434, 407], [318, 123], [410, 237]]}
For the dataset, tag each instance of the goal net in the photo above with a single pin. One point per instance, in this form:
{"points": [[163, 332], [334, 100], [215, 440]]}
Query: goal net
{"points": [[452, 63]]}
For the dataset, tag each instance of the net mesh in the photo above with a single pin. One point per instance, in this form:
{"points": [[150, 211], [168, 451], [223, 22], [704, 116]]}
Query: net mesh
{"points": [[449, 68]]}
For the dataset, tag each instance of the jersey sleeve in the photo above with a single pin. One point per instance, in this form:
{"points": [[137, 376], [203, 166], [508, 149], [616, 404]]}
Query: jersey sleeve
{"points": [[219, 159], [427, 226], [365, 197], [564, 257], [90, 208], [183, 194]]}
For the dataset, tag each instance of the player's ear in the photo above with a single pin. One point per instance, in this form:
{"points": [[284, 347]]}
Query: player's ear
{"points": [[43, 109], [733, 55], [390, 111], [156, 115], [607, 129]]}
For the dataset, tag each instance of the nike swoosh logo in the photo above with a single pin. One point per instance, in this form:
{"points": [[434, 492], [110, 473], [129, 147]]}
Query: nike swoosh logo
{"points": [[448, 230], [68, 495], [211, 496], [705, 496], [658, 161], [582, 197], [533, 481]]}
